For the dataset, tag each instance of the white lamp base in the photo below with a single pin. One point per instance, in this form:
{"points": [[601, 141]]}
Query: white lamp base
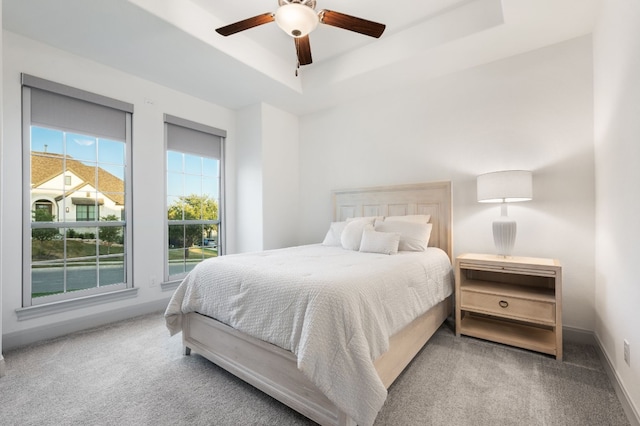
{"points": [[504, 235]]}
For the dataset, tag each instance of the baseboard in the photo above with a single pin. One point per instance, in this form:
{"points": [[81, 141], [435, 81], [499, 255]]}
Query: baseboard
{"points": [[37, 334], [627, 404], [588, 337], [578, 335]]}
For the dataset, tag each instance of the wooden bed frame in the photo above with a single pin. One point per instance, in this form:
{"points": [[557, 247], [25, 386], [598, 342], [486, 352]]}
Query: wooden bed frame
{"points": [[274, 370]]}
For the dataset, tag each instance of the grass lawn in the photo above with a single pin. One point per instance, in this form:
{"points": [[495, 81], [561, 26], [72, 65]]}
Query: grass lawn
{"points": [[54, 249]]}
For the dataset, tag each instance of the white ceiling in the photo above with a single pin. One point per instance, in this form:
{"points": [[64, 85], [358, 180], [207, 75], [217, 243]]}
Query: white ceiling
{"points": [[173, 43]]}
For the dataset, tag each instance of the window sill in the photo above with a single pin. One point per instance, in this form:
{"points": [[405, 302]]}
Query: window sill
{"points": [[71, 304], [170, 285]]}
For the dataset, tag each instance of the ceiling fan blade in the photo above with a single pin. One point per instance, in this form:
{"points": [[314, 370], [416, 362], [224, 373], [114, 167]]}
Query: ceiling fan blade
{"points": [[303, 49], [245, 24], [351, 23]]}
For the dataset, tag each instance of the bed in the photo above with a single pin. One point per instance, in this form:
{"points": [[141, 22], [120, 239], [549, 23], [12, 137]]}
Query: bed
{"points": [[289, 365]]}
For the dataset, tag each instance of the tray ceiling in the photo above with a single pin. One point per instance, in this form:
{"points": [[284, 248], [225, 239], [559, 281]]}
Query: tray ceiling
{"points": [[173, 43]]}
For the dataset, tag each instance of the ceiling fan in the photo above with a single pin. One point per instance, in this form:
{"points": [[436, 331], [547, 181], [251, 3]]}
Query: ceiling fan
{"points": [[298, 18]]}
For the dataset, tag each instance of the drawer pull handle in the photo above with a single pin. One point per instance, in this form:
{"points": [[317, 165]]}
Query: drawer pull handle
{"points": [[503, 303]]}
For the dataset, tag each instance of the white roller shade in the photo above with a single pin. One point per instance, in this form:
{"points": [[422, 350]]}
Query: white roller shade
{"points": [[193, 138], [69, 109]]}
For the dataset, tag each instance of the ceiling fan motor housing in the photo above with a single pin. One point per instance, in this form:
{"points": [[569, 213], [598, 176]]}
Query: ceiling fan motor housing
{"points": [[310, 3], [297, 18]]}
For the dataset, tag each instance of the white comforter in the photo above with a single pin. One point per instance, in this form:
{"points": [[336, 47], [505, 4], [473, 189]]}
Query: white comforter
{"points": [[334, 308]]}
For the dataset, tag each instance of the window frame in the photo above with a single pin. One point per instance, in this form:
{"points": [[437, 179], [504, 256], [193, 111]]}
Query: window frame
{"points": [[34, 307], [170, 282]]}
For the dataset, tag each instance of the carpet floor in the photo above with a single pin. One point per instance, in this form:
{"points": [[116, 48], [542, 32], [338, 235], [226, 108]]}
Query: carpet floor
{"points": [[133, 373]]}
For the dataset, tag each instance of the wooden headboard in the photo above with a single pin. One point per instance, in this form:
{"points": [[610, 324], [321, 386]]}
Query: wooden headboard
{"points": [[432, 198]]}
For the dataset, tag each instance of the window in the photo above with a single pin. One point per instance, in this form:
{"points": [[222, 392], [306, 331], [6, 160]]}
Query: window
{"points": [[194, 188], [43, 207], [85, 213], [76, 193]]}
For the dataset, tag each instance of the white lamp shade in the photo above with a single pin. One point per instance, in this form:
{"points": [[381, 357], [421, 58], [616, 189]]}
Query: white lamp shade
{"points": [[505, 187], [297, 20]]}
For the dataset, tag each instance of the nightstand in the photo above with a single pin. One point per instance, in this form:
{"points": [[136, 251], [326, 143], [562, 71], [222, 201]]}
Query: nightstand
{"points": [[516, 301]]}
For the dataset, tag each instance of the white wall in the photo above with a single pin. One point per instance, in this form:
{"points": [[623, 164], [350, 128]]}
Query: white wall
{"points": [[281, 189], [267, 167], [533, 111], [150, 102], [249, 178], [617, 141], [1, 192]]}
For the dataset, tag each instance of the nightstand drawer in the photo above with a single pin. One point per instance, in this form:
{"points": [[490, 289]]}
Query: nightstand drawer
{"points": [[510, 307]]}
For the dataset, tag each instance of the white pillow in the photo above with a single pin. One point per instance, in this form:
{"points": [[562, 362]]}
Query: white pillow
{"points": [[333, 234], [413, 236], [379, 242], [417, 218], [370, 219], [352, 234]]}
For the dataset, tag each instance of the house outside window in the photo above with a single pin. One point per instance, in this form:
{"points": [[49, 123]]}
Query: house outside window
{"points": [[77, 190], [194, 195]]}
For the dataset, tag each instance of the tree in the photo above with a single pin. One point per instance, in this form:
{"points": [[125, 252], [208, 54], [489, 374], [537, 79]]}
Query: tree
{"points": [[191, 207], [109, 234], [43, 234]]}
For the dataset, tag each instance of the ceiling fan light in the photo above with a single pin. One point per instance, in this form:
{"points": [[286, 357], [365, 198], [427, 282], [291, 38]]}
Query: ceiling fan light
{"points": [[296, 20]]}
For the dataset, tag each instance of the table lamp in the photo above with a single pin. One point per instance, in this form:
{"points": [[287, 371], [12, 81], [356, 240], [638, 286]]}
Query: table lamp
{"points": [[505, 187]]}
